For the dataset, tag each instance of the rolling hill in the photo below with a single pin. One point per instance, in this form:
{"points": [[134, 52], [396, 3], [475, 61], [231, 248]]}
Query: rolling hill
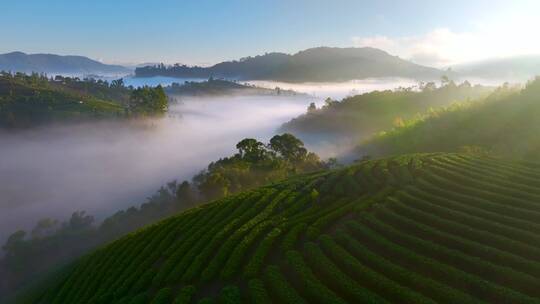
{"points": [[424, 228], [30, 100], [55, 64], [360, 117], [316, 64], [505, 123]]}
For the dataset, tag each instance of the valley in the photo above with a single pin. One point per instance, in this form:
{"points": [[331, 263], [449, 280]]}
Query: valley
{"points": [[229, 152]]}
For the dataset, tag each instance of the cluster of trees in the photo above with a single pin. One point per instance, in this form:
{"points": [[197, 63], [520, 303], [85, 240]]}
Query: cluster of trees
{"points": [[51, 243], [148, 101], [175, 70], [28, 100], [256, 164]]}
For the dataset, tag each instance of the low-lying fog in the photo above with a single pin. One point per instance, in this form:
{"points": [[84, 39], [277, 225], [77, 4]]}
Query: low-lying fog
{"points": [[340, 90], [104, 167]]}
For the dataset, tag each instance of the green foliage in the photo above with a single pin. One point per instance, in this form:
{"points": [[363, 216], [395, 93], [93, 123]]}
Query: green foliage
{"points": [[30, 100], [279, 285], [364, 115], [356, 255], [185, 295], [257, 260], [311, 285], [139, 299], [258, 293], [473, 127], [163, 296], [146, 101], [290, 239], [334, 277], [230, 295], [257, 164]]}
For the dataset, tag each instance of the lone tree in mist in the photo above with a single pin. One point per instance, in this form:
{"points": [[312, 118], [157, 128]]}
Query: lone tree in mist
{"points": [[148, 101]]}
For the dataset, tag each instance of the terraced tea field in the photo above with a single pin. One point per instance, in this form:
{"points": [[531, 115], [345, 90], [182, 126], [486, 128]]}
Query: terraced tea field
{"points": [[431, 228]]}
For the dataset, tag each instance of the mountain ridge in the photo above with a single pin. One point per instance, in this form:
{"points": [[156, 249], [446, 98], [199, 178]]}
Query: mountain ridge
{"points": [[319, 64], [57, 64]]}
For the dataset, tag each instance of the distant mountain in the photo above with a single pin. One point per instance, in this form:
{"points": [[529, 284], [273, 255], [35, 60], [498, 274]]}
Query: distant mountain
{"points": [[56, 64], [517, 68], [315, 64]]}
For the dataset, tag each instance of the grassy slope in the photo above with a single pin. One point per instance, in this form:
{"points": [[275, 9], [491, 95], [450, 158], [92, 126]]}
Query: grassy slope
{"points": [[505, 123], [449, 228], [23, 104]]}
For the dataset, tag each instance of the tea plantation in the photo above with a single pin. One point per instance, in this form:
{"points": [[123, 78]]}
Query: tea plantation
{"points": [[424, 228]]}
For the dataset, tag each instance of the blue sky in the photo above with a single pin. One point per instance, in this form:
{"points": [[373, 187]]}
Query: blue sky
{"points": [[204, 32]]}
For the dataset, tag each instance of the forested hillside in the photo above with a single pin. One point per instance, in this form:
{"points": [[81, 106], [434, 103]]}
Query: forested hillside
{"points": [[428, 228], [362, 116], [506, 123], [30, 100]]}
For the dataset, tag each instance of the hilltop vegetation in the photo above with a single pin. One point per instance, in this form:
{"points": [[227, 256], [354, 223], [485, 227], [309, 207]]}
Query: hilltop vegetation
{"points": [[321, 64], [431, 228], [29, 100], [506, 123], [364, 115]]}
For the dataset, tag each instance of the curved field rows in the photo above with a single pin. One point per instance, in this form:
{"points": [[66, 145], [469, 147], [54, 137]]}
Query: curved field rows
{"points": [[430, 228]]}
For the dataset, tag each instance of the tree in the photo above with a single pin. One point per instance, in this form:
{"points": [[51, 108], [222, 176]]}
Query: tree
{"points": [[444, 80], [328, 102], [80, 221], [185, 193], [44, 227], [117, 83], [289, 147], [312, 108], [429, 87], [148, 101], [332, 163], [251, 149], [14, 242]]}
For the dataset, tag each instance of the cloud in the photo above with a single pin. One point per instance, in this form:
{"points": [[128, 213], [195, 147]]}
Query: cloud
{"points": [[443, 47], [439, 47]]}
